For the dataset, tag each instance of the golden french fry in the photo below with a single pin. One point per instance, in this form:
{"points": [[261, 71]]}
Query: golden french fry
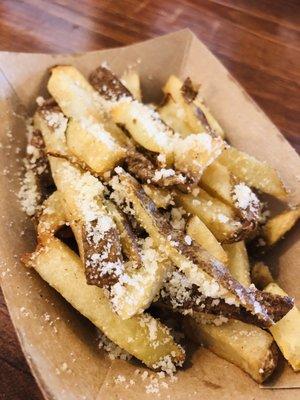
{"points": [[142, 336], [238, 262], [199, 232], [254, 173], [194, 153], [286, 332], [82, 200], [217, 181], [78, 99], [213, 123], [200, 267], [250, 348], [131, 81], [173, 114], [261, 275], [184, 113], [73, 93], [92, 144], [217, 216], [278, 226], [144, 125]]}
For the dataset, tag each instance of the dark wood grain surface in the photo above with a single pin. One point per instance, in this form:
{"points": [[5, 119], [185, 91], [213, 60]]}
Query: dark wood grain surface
{"points": [[257, 40]]}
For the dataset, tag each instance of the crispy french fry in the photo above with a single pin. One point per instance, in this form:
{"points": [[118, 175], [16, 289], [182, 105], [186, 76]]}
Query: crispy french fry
{"points": [[78, 99], [261, 275], [73, 93], [194, 153], [90, 143], [145, 126], [184, 111], [254, 173], [82, 200], [238, 262], [173, 114], [217, 181], [131, 81], [86, 211], [141, 286], [62, 269], [278, 226], [247, 346], [199, 232], [161, 235], [201, 268], [286, 332], [217, 216]]}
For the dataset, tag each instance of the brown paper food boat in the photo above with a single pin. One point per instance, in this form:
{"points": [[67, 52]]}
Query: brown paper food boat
{"points": [[59, 344]]}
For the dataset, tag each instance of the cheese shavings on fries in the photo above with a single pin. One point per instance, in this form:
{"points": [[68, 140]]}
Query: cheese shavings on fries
{"points": [[145, 210]]}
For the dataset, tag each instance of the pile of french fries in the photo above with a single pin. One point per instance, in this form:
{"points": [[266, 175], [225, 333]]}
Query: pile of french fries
{"points": [[162, 210]]}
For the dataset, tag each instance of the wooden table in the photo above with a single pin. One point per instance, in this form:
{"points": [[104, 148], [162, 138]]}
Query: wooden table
{"points": [[258, 41]]}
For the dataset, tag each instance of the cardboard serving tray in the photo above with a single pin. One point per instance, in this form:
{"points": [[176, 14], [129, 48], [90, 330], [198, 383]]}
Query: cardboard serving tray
{"points": [[60, 345]]}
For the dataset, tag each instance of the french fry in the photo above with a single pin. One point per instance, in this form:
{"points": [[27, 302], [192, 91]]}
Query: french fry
{"points": [[90, 143], [63, 270], [217, 181], [191, 154], [199, 232], [173, 114], [99, 242], [217, 216], [194, 153], [286, 332], [145, 126], [250, 348], [73, 93], [201, 268], [238, 262], [278, 226], [131, 81], [213, 123], [261, 275], [82, 200], [139, 287], [78, 99], [254, 173], [184, 111]]}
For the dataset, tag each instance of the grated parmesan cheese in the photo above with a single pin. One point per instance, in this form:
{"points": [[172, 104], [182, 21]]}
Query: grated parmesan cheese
{"points": [[29, 194], [113, 350], [245, 198]]}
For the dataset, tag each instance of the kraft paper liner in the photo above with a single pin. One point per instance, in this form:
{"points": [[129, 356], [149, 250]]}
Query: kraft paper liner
{"points": [[59, 344]]}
